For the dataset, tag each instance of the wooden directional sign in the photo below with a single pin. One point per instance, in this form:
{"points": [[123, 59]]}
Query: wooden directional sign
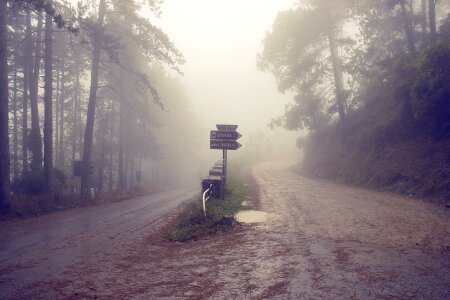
{"points": [[224, 135], [216, 168], [222, 127], [227, 145], [215, 173]]}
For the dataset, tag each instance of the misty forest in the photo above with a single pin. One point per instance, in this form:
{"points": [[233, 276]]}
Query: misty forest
{"points": [[108, 187]]}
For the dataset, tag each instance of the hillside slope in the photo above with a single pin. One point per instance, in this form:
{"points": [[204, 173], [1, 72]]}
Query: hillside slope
{"points": [[419, 167]]}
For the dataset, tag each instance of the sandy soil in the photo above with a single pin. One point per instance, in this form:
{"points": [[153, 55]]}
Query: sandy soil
{"points": [[320, 241]]}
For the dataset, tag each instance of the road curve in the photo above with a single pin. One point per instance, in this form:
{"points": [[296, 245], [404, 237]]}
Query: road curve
{"points": [[320, 241], [44, 247], [325, 240]]}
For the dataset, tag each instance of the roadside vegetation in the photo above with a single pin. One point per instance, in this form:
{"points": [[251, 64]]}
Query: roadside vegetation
{"points": [[103, 92], [392, 145], [372, 85], [193, 224], [23, 206]]}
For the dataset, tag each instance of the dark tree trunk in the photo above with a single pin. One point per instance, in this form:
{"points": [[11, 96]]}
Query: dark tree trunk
{"points": [[110, 167], [48, 106], [4, 136], [90, 118], [125, 168], [408, 28], [27, 68], [15, 160], [138, 180], [102, 154], [61, 156], [432, 18], [76, 108], [15, 126], [131, 171], [15, 156], [338, 83], [423, 19], [35, 142], [121, 175], [56, 110], [74, 128]]}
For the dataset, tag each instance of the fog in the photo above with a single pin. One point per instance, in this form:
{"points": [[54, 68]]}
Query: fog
{"points": [[220, 41], [333, 115], [129, 90]]}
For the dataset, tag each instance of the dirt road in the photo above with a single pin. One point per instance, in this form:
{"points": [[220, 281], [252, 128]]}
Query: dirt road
{"points": [[44, 248], [320, 241]]}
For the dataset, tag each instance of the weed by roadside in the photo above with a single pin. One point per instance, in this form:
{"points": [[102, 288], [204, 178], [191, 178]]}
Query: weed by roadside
{"points": [[192, 224]]}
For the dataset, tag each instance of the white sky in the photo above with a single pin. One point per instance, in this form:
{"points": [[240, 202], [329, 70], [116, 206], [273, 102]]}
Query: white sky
{"points": [[220, 40]]}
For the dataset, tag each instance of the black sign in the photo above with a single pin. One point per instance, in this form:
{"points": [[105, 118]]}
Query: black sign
{"points": [[217, 168], [224, 135], [215, 173], [77, 167], [223, 127], [227, 145]]}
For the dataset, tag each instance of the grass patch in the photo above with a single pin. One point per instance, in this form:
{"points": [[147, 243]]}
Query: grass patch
{"points": [[192, 224]]}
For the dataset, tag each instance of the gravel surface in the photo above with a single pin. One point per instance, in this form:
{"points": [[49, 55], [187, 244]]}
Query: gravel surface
{"points": [[320, 241]]}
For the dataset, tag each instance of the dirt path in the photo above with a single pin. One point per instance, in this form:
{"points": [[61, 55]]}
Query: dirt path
{"points": [[321, 241], [43, 249]]}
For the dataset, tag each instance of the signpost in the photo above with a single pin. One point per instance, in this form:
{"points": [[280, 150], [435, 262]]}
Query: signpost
{"points": [[223, 127], [215, 173], [226, 145], [224, 135], [224, 138]]}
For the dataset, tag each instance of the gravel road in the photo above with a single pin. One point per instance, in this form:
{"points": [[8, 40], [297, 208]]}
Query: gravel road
{"points": [[320, 241], [43, 249]]}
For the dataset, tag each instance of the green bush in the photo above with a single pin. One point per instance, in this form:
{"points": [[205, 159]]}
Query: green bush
{"points": [[192, 223], [33, 183]]}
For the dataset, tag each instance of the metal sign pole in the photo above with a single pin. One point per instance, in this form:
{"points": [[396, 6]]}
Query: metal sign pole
{"points": [[224, 159], [225, 170], [223, 138]]}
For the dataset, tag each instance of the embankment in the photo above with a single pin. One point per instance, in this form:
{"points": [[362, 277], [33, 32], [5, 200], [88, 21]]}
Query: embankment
{"points": [[417, 166]]}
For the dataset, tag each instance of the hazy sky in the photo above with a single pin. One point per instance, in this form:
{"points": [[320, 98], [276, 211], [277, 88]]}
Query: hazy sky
{"points": [[220, 40]]}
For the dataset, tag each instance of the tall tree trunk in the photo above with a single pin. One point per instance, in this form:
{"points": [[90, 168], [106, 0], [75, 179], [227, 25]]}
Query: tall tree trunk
{"points": [[61, 156], [131, 172], [48, 106], [27, 69], [35, 143], [408, 28], [15, 125], [139, 179], [102, 155], [90, 118], [110, 144], [125, 168], [423, 20], [76, 107], [4, 136], [74, 128], [335, 61], [121, 175], [56, 110], [432, 18]]}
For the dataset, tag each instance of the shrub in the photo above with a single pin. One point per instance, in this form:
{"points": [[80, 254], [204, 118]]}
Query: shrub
{"points": [[33, 183]]}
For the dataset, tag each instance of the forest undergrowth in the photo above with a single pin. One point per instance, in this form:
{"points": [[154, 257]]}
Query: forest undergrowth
{"points": [[400, 146]]}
